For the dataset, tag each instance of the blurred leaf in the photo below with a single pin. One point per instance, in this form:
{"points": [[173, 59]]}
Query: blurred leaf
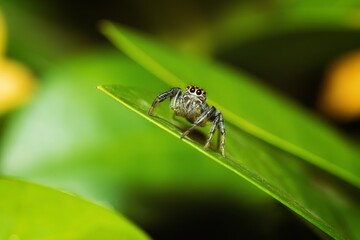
{"points": [[2, 35], [250, 21], [30, 211], [285, 62], [35, 37], [241, 22], [246, 104], [71, 136], [286, 178]]}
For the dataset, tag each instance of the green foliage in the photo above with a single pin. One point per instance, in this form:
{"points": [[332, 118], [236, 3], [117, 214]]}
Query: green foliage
{"points": [[59, 216], [73, 138], [265, 143], [247, 105], [285, 177]]}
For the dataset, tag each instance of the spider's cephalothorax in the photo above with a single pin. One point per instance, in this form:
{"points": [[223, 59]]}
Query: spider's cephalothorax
{"points": [[192, 105]]}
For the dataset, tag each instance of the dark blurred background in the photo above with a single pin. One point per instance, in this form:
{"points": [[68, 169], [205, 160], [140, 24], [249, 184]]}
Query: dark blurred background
{"points": [[308, 51], [269, 39]]}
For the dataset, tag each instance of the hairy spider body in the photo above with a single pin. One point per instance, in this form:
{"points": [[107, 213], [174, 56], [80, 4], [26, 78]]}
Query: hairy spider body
{"points": [[192, 105]]}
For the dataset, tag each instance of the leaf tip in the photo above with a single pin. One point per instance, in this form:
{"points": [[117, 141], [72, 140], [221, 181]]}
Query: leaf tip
{"points": [[101, 88]]}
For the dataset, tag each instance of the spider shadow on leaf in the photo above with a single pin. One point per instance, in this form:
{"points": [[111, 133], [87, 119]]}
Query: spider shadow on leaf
{"points": [[196, 135]]}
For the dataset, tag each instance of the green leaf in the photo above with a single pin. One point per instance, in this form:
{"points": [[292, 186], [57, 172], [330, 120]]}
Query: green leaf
{"points": [[304, 189], [52, 147], [246, 104], [248, 21], [30, 211]]}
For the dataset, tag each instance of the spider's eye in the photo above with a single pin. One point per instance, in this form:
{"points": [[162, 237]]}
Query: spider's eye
{"points": [[198, 92], [192, 90]]}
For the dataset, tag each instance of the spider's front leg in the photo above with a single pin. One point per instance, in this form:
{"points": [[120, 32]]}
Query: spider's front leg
{"points": [[215, 124], [221, 127], [174, 92], [205, 116], [218, 123]]}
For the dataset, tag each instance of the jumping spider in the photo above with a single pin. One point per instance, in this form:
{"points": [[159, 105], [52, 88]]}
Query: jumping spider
{"points": [[192, 105]]}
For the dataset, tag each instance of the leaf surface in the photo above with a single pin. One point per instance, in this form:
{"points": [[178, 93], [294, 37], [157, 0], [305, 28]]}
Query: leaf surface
{"points": [[29, 211], [246, 104], [304, 189]]}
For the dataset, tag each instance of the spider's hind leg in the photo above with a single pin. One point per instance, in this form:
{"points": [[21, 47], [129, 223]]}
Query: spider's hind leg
{"points": [[218, 123], [222, 134]]}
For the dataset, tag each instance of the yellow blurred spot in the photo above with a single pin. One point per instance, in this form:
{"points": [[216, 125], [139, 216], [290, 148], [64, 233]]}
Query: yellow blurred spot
{"points": [[16, 84], [2, 36], [340, 98]]}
